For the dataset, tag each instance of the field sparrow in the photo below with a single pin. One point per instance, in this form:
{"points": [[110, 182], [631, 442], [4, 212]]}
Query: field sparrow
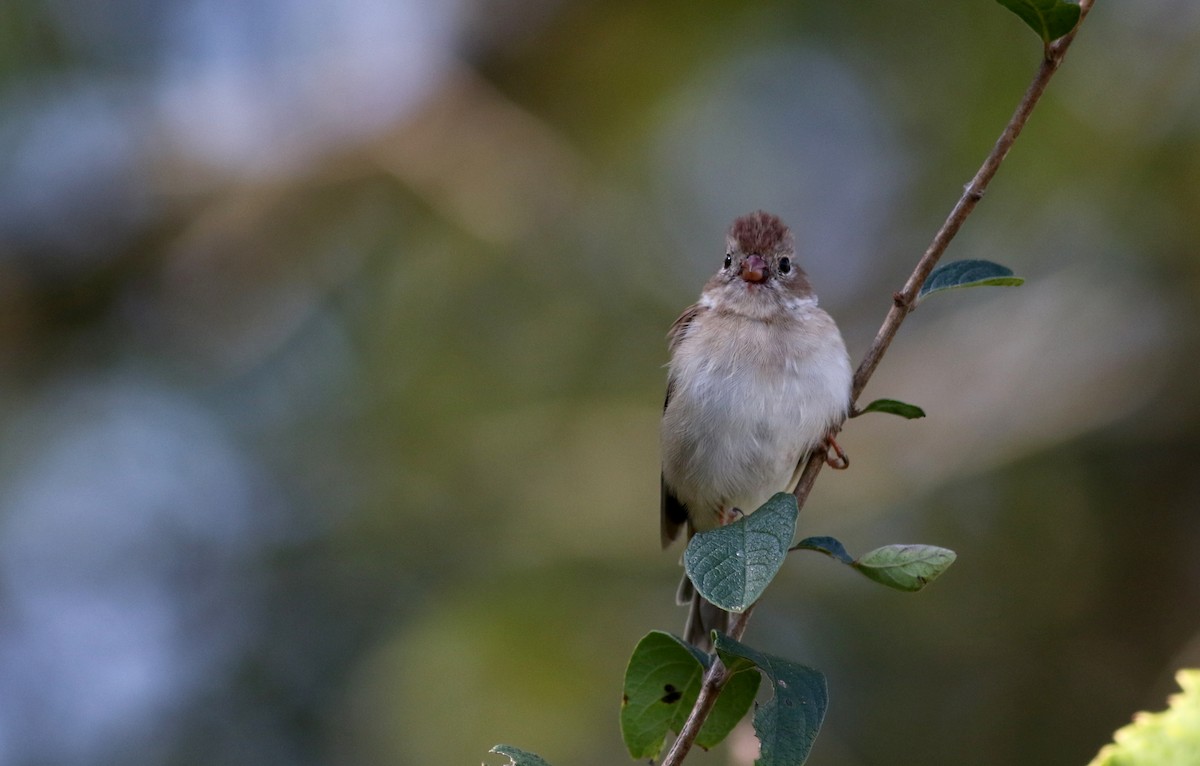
{"points": [[758, 378]]}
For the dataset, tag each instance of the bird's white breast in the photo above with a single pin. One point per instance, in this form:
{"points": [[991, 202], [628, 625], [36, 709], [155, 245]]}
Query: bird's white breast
{"points": [[749, 399]]}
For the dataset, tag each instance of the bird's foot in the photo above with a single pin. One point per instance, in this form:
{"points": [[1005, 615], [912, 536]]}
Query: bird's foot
{"points": [[835, 456], [729, 515]]}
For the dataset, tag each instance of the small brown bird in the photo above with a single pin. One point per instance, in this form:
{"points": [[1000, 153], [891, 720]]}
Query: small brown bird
{"points": [[759, 377]]}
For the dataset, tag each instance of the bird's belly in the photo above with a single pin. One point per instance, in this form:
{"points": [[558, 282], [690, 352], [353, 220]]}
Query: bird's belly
{"points": [[732, 441]]}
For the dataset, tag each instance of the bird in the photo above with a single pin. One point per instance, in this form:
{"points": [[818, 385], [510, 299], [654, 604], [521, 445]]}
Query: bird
{"points": [[758, 379]]}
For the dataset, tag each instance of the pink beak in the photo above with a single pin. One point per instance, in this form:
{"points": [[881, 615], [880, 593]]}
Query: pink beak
{"points": [[754, 269]]}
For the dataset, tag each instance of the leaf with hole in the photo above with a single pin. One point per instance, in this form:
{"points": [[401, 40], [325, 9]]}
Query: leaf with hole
{"points": [[518, 757], [662, 682], [732, 565], [787, 724], [1051, 19], [894, 407], [970, 273]]}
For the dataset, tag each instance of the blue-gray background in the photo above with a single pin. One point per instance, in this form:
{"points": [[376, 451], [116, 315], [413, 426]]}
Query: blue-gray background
{"points": [[331, 345]]}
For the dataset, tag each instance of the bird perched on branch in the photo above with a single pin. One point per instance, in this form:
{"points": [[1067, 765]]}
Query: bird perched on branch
{"points": [[759, 377]]}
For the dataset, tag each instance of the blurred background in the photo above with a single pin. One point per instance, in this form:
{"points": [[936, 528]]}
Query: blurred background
{"points": [[331, 346]]}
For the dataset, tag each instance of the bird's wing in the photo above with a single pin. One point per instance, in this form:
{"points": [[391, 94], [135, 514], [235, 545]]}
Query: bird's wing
{"points": [[680, 327], [673, 515], [675, 336]]}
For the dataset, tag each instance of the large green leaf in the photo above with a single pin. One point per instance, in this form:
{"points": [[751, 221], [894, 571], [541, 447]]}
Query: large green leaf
{"points": [[788, 723], [1051, 19], [731, 566], [661, 684], [518, 757], [970, 273]]}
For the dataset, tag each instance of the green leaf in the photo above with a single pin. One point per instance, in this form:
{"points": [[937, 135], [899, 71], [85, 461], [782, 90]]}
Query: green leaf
{"points": [[788, 723], [894, 407], [971, 273], [905, 567], [736, 698], [518, 757], [732, 565], [830, 546], [661, 684], [1169, 738], [1051, 19]]}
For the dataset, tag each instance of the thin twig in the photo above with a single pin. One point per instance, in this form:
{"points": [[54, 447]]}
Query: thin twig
{"points": [[903, 303]]}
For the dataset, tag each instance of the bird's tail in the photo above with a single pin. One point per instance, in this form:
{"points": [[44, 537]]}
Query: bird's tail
{"points": [[703, 616]]}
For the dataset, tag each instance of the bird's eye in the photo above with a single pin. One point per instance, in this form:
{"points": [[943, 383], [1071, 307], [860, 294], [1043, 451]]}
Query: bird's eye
{"points": [[728, 261], [785, 265]]}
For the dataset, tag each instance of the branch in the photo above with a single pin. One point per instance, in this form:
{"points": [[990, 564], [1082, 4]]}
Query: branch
{"points": [[710, 688], [902, 305], [903, 301]]}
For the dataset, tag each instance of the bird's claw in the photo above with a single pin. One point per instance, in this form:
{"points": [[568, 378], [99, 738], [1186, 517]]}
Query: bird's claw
{"points": [[838, 459]]}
